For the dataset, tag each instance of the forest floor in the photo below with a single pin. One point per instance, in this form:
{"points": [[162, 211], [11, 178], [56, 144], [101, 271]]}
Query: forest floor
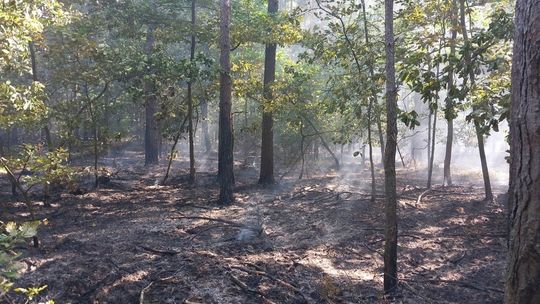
{"points": [[134, 241]]}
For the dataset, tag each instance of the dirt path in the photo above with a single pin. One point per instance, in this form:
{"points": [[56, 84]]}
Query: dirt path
{"points": [[321, 242]]}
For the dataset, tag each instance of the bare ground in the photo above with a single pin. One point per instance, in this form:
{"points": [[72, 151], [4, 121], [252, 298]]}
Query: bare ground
{"points": [[134, 241]]}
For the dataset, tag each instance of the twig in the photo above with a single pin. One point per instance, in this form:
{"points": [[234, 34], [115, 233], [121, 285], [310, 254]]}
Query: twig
{"points": [[415, 292], [191, 238], [246, 288], [210, 219], [262, 271], [193, 206], [459, 283], [145, 289], [159, 251]]}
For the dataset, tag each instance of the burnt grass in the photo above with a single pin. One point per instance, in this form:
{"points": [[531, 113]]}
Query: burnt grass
{"points": [[135, 241]]}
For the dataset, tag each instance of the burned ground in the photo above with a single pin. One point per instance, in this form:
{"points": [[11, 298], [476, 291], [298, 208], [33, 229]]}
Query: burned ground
{"points": [[135, 241]]}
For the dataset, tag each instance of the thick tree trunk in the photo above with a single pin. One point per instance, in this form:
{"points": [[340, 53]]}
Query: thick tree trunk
{"points": [[190, 97], [479, 135], [390, 246], [267, 143], [226, 141], [523, 270], [151, 135]]}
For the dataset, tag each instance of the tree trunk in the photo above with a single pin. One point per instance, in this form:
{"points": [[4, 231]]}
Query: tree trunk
{"points": [[433, 135], [46, 132], [432, 155], [190, 97], [381, 136], [151, 135], [373, 100], [226, 141], [523, 270], [429, 138], [479, 135], [204, 126], [449, 111], [267, 144], [370, 145], [302, 150], [390, 246]]}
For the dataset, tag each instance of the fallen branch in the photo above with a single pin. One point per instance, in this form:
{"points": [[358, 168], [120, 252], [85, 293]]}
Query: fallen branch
{"points": [[145, 289], [472, 286], [459, 283], [192, 205], [415, 292], [159, 251], [191, 238], [210, 219], [263, 272], [246, 288], [420, 197]]}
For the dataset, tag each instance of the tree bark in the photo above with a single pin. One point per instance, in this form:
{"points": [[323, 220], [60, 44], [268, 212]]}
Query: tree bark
{"points": [[429, 138], [190, 97], [432, 155], [46, 131], [433, 135], [267, 142], [204, 126], [390, 246], [449, 111], [523, 270], [204, 112], [381, 136], [479, 135], [151, 135], [226, 140]]}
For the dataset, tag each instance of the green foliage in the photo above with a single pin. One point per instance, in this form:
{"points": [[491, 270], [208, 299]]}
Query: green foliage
{"points": [[46, 167], [10, 235], [410, 119], [23, 22], [21, 105]]}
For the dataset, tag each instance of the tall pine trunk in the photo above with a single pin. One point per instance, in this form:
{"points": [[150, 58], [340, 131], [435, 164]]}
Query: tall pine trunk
{"points": [[226, 141], [523, 270], [151, 135], [390, 232], [479, 134], [267, 142], [190, 96]]}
